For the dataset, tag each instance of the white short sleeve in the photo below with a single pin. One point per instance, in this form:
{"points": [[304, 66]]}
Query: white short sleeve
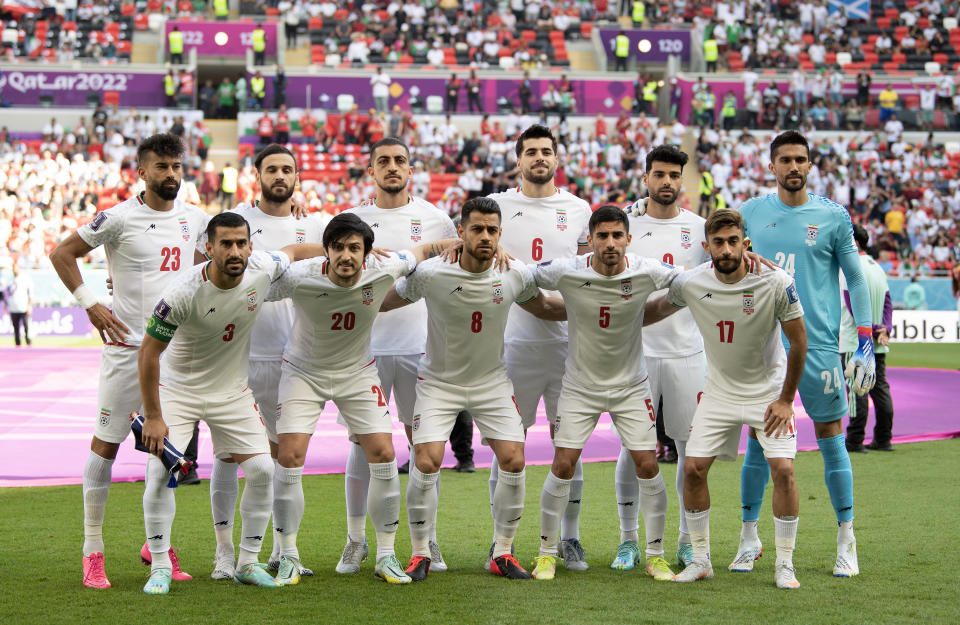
{"points": [[284, 286], [412, 287], [787, 299], [528, 290], [105, 227], [547, 274], [675, 293]]}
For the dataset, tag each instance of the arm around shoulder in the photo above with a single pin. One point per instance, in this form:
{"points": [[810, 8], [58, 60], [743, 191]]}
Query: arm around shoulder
{"points": [[546, 308]]}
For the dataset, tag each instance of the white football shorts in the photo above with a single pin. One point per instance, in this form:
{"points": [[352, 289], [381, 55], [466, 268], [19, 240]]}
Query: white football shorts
{"points": [[492, 405], [234, 421], [398, 377], [264, 380], [717, 425], [536, 370], [118, 393], [679, 381], [630, 408]]}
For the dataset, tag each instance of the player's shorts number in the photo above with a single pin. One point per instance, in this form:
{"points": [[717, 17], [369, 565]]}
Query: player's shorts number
{"points": [[170, 260], [668, 258], [344, 321], [536, 251], [381, 400], [653, 413], [476, 322], [726, 331], [229, 328], [787, 262], [604, 316], [831, 381]]}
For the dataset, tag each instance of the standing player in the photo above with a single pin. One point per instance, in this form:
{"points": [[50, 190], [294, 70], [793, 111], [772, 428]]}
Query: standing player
{"points": [[542, 223], [749, 381], [672, 349], [811, 237], [206, 318], [463, 369], [328, 358], [149, 239], [605, 293], [399, 221], [273, 226]]}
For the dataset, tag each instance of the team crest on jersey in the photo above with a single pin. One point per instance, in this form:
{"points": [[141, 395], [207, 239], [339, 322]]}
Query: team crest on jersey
{"points": [[748, 303], [184, 228], [626, 289], [497, 292], [812, 234], [301, 235], [104, 417], [686, 239], [98, 221], [416, 422], [251, 299], [366, 292], [561, 219], [416, 230]]}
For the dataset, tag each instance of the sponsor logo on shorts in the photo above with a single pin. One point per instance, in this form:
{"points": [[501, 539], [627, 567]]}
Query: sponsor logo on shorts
{"points": [[301, 235], [497, 292], [561, 219], [626, 289], [104, 417], [686, 239], [98, 221], [748, 302], [416, 422], [366, 292], [812, 234], [184, 228], [416, 230], [251, 299]]}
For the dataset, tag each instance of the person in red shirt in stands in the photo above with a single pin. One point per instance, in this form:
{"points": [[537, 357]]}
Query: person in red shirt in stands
{"points": [[308, 127], [283, 126], [375, 128], [600, 129], [351, 126], [265, 128]]}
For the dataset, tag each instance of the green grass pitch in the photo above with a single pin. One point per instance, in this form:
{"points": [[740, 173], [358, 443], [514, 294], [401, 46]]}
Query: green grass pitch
{"points": [[906, 508]]}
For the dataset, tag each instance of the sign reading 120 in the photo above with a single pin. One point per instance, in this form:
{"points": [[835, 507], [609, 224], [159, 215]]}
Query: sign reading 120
{"points": [[670, 46]]}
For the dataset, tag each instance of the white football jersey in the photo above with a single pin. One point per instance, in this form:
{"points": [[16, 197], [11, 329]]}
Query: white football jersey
{"points": [[145, 249], [536, 230], [740, 324], [267, 232], [209, 328], [467, 316], [606, 316], [332, 324], [676, 241], [403, 331]]}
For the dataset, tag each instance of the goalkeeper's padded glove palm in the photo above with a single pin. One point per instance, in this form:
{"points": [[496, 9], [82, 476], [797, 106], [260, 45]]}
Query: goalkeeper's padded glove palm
{"points": [[862, 367]]}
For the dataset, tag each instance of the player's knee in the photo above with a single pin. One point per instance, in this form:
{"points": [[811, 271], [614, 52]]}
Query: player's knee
{"points": [[563, 467], [647, 466], [782, 474], [694, 472], [512, 464], [426, 464], [291, 458]]}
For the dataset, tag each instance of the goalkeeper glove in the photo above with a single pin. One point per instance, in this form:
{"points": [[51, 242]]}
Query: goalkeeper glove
{"points": [[862, 368], [638, 208]]}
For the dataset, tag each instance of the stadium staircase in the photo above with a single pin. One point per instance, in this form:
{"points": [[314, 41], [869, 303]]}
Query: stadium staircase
{"points": [[224, 147]]}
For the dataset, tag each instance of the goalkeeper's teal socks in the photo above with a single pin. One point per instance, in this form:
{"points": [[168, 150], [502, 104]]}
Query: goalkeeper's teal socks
{"points": [[753, 480], [838, 474]]}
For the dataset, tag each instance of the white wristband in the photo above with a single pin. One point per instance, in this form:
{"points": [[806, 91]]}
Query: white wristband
{"points": [[85, 297]]}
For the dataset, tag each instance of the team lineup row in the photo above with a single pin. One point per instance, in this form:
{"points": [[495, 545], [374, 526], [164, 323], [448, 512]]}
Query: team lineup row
{"points": [[477, 354]]}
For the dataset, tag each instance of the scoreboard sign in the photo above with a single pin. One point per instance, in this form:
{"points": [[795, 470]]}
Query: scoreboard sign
{"points": [[649, 46]]}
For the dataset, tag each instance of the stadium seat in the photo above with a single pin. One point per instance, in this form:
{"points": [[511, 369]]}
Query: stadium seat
{"points": [[883, 23], [141, 21], [315, 23], [932, 67], [111, 98]]}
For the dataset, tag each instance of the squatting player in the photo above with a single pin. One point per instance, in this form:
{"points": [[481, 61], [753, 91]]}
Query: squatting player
{"points": [[604, 293], [336, 299], [273, 226], [673, 348], [811, 237], [399, 221], [467, 306], [203, 322], [749, 381], [542, 222], [149, 240]]}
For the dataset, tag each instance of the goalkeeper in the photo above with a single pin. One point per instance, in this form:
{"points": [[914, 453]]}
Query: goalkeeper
{"points": [[811, 238]]}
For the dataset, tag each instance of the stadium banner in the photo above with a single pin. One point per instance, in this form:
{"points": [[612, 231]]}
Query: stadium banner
{"points": [[220, 38], [856, 9], [925, 326], [24, 87], [649, 46], [52, 321], [609, 97]]}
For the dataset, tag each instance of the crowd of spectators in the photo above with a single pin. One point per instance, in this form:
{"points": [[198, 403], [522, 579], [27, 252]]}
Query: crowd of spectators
{"points": [[62, 32]]}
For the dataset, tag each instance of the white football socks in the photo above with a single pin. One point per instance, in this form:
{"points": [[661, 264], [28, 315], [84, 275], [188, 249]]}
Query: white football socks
{"points": [[159, 508], [224, 490], [507, 509], [845, 533], [570, 525], [699, 525], [681, 447], [383, 502], [653, 503], [356, 485], [96, 487], [255, 505], [628, 496], [553, 501], [288, 507], [421, 508], [786, 529]]}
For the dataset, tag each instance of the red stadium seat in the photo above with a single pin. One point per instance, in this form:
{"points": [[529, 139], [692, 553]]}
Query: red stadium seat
{"points": [[155, 6], [315, 23], [111, 98], [185, 6], [883, 22], [892, 13], [586, 29], [141, 21], [272, 11], [244, 150], [128, 9], [830, 58]]}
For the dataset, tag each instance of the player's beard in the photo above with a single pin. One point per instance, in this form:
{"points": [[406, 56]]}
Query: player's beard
{"points": [[164, 190], [610, 260], [665, 197], [539, 178], [793, 184], [727, 265], [276, 198], [482, 254], [230, 269], [393, 186]]}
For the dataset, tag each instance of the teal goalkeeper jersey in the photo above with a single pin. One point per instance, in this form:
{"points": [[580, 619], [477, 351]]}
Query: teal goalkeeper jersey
{"points": [[811, 242]]}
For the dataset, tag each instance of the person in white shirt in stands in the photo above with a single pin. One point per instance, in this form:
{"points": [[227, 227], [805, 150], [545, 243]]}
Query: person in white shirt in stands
{"points": [[381, 89]]}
